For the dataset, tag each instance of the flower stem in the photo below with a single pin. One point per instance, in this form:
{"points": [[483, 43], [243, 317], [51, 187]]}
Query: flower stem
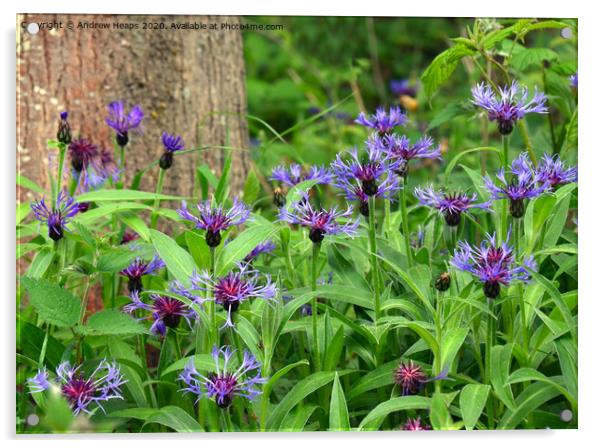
{"points": [[160, 181], [373, 257], [59, 178], [518, 231], [121, 168], [504, 215], [404, 221], [212, 304], [314, 304], [489, 343]]}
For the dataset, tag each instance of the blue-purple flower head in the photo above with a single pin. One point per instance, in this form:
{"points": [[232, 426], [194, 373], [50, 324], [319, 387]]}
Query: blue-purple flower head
{"points": [[295, 174], [56, 217], [92, 166], [139, 268], [415, 424], [320, 222], [552, 171], [523, 184], [411, 378], [171, 143], [216, 219], [450, 205], [166, 312], [574, 80], [225, 382], [231, 290], [85, 393], [123, 122], [382, 121], [401, 151], [492, 264], [266, 247], [402, 87], [370, 174], [511, 105]]}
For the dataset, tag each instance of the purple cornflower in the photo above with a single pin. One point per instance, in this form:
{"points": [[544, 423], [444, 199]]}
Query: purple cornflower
{"points": [[171, 144], [551, 171], [137, 269], [56, 218], [523, 185], [415, 424], [122, 122], [82, 392], [400, 150], [494, 265], [511, 106], [401, 87], [294, 174], [224, 383], [320, 222], [383, 122], [215, 219], [232, 289], [574, 80], [166, 311], [450, 205], [83, 153], [262, 248], [411, 378], [63, 134], [370, 175]]}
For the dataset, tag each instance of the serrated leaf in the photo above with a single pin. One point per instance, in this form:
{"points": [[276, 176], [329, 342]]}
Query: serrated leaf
{"points": [[55, 305], [442, 67]]}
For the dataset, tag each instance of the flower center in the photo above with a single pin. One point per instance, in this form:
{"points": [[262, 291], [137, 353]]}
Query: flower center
{"points": [[78, 390]]}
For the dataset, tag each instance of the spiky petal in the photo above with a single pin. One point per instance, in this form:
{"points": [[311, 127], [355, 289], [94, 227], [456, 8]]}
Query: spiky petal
{"points": [[552, 171], [58, 216], [295, 174], [166, 312], [450, 205], [383, 122]]}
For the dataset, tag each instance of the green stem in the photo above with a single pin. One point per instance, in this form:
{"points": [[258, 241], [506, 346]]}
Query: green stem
{"points": [[404, 221], [489, 343], [373, 257], [121, 167], [59, 178], [518, 231], [314, 304], [227, 422], [213, 305], [438, 334], [159, 189], [504, 214]]}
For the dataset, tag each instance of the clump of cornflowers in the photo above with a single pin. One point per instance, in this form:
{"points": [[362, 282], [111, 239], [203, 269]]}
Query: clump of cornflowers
{"points": [[123, 122], [523, 184], [294, 175], [85, 393], [224, 383], [415, 424], [401, 151], [171, 143], [383, 122], [166, 312], [449, 205], [63, 134], [320, 222], [231, 290], [216, 219], [552, 171], [139, 268], [371, 174], [58, 216], [492, 264], [511, 105], [266, 247]]}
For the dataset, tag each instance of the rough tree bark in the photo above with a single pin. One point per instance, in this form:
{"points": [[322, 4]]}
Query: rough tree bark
{"points": [[182, 79]]}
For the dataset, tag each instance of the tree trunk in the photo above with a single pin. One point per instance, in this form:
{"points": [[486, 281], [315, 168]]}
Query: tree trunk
{"points": [[188, 82]]}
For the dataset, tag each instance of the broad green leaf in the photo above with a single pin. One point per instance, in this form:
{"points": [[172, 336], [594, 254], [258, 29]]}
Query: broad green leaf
{"points": [[524, 58], [175, 418], [137, 224], [442, 67], [472, 401], [567, 355], [197, 246], [122, 195], [112, 322], [380, 377], [179, 263], [374, 419], [240, 247], [114, 260], [453, 162], [55, 305], [538, 211], [251, 189], [25, 182], [339, 415], [106, 211], [529, 400], [203, 363], [119, 350], [501, 357], [439, 415], [451, 342], [40, 263], [528, 374], [221, 191]]}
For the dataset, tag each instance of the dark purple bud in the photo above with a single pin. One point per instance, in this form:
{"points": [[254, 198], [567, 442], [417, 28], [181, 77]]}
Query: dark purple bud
{"points": [[364, 209], [166, 160], [452, 218], [505, 126], [122, 139], [63, 134], [213, 238], [316, 235], [443, 282], [517, 208], [491, 289], [135, 284]]}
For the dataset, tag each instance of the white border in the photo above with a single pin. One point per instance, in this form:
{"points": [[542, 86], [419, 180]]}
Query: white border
{"points": [[590, 168]]}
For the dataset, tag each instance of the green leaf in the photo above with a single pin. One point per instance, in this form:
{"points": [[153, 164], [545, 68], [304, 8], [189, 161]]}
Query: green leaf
{"points": [[538, 211], [179, 263], [119, 350], [137, 224], [296, 395], [567, 355], [58, 416], [110, 322], [501, 357], [203, 363], [453, 162], [114, 260], [442, 67], [122, 195], [439, 415], [221, 191], [380, 377], [529, 400], [40, 263], [175, 418], [339, 415], [251, 188], [374, 419], [55, 305], [240, 247], [25, 182], [472, 401], [524, 58], [451, 342]]}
